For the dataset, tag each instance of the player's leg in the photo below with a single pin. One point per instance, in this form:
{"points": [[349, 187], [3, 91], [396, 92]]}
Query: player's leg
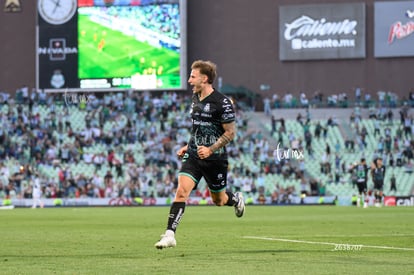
{"points": [[223, 198], [185, 185], [230, 199], [188, 178], [364, 185], [376, 194], [215, 174], [381, 193], [360, 191], [376, 197]]}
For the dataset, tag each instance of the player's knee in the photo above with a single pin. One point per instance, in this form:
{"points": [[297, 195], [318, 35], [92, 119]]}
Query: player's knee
{"points": [[181, 196]]}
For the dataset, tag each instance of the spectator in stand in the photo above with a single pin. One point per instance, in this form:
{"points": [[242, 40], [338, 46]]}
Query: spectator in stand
{"points": [[133, 174], [318, 130], [303, 100], [37, 191], [88, 157], [304, 190], [110, 158], [65, 153], [81, 181], [367, 100], [393, 183], [275, 195], [275, 101], [99, 184], [273, 125], [328, 150], [314, 187], [42, 97], [4, 172], [408, 122], [358, 94], [118, 167], [267, 107], [377, 128], [98, 160]]}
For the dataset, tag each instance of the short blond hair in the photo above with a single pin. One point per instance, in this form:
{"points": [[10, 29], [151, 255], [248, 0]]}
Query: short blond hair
{"points": [[207, 68]]}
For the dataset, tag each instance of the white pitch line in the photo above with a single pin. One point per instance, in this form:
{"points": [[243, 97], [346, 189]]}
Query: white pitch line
{"points": [[327, 243], [355, 236]]}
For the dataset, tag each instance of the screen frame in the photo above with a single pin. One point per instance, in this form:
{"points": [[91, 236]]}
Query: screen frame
{"points": [[183, 62]]}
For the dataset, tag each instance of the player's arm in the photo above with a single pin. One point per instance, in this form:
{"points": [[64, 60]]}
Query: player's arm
{"points": [[226, 137]]}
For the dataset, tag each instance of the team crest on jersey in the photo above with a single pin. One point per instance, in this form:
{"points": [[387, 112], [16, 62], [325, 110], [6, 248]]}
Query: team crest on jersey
{"points": [[207, 108]]}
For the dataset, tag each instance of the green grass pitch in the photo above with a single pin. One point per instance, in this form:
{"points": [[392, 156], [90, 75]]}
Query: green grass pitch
{"points": [[106, 53], [210, 240]]}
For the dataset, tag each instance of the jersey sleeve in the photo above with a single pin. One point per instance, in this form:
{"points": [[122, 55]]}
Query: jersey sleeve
{"points": [[228, 114]]}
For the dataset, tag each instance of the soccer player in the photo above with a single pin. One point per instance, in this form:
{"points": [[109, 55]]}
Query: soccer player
{"points": [[378, 175], [205, 155], [101, 44], [37, 191], [361, 170]]}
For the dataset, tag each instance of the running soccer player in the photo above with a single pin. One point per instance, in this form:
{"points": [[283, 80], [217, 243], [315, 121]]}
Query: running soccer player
{"points": [[361, 171], [205, 155], [378, 175]]}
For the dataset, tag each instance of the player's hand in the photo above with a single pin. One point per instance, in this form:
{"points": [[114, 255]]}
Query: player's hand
{"points": [[204, 152], [182, 151]]}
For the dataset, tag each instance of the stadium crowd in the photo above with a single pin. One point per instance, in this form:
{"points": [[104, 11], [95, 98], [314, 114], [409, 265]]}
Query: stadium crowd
{"points": [[125, 144], [389, 138], [39, 132]]}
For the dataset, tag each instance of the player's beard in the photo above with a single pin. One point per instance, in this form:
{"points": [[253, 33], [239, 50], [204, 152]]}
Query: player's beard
{"points": [[197, 89]]}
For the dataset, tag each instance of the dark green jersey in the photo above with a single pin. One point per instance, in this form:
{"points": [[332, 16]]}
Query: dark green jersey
{"points": [[361, 171], [378, 174], [208, 116]]}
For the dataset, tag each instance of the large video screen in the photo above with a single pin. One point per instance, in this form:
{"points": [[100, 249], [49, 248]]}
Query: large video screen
{"points": [[120, 44]]}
